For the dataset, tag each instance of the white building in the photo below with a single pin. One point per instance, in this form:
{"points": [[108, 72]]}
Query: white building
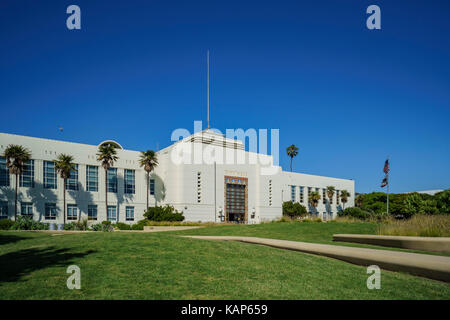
{"points": [[251, 189]]}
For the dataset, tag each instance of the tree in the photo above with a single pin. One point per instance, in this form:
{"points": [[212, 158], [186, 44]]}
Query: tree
{"points": [[64, 165], [16, 156], [107, 154], [292, 152], [359, 200], [330, 193], [294, 210], [344, 197], [314, 198], [149, 161]]}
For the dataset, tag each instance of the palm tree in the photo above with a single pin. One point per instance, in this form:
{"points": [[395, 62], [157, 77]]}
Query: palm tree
{"points": [[107, 154], [64, 165], [344, 197], [16, 156], [149, 161], [314, 198], [359, 200], [330, 193], [292, 151]]}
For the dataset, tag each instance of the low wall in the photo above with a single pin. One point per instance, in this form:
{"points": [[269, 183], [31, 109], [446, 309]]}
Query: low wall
{"points": [[436, 244]]}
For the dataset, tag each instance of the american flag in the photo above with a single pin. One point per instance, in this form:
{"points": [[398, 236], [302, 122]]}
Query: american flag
{"points": [[384, 182], [386, 166]]}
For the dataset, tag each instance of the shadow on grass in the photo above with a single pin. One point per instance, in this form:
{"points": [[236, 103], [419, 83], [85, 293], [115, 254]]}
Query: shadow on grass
{"points": [[9, 238], [15, 265]]}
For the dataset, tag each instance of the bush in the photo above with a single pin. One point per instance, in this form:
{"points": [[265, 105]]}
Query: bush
{"points": [[27, 223], [294, 209], [122, 226], [6, 224], [166, 213], [105, 226], [69, 226], [354, 212]]}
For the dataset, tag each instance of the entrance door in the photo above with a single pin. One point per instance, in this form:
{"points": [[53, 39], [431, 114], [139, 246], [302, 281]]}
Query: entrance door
{"points": [[236, 206]]}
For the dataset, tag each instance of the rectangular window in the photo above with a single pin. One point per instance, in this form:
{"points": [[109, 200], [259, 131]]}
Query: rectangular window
{"points": [[112, 213], [337, 197], [4, 173], [130, 213], [26, 209], [301, 194], [130, 184], [293, 193], [50, 211], [3, 210], [27, 176], [91, 178], [324, 196], [72, 182], [152, 186], [72, 212], [112, 180], [92, 212], [49, 175]]}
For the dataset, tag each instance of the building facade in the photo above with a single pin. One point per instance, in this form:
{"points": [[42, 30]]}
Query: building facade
{"points": [[207, 176]]}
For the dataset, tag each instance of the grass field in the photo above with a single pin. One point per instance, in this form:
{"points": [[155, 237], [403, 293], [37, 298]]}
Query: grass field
{"points": [[166, 266]]}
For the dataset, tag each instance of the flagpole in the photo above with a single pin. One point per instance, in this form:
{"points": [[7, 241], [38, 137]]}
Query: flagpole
{"points": [[387, 176]]}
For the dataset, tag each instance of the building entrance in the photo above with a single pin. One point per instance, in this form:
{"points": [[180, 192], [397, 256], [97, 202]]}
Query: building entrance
{"points": [[236, 199]]}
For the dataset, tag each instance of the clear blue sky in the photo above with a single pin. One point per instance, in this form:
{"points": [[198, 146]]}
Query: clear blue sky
{"points": [[345, 95]]}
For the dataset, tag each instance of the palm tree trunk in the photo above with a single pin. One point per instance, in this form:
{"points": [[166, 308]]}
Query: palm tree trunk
{"points": [[291, 164], [64, 200], [106, 193], [15, 198], [148, 182]]}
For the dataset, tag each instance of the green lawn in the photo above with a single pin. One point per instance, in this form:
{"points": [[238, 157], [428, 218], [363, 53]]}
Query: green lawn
{"points": [[165, 266], [300, 231]]}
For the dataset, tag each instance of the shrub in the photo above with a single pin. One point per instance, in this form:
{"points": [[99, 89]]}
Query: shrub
{"points": [[105, 226], [166, 213], [6, 224], [354, 212], [69, 226], [81, 225], [294, 209], [27, 223], [122, 226]]}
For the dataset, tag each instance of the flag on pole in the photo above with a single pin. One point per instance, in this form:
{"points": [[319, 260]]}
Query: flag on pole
{"points": [[384, 183], [386, 166]]}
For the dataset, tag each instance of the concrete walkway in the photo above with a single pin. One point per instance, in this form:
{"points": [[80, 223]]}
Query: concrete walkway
{"points": [[437, 244], [429, 266]]}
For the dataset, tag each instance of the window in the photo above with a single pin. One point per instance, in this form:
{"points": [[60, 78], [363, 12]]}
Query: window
{"points": [[3, 210], [301, 194], [309, 192], [130, 184], [152, 186], [50, 211], [130, 213], [91, 178], [270, 192], [72, 212], [199, 187], [4, 173], [293, 193], [112, 180], [112, 213], [92, 212], [27, 176], [324, 196], [337, 197], [26, 209], [49, 175], [72, 181]]}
